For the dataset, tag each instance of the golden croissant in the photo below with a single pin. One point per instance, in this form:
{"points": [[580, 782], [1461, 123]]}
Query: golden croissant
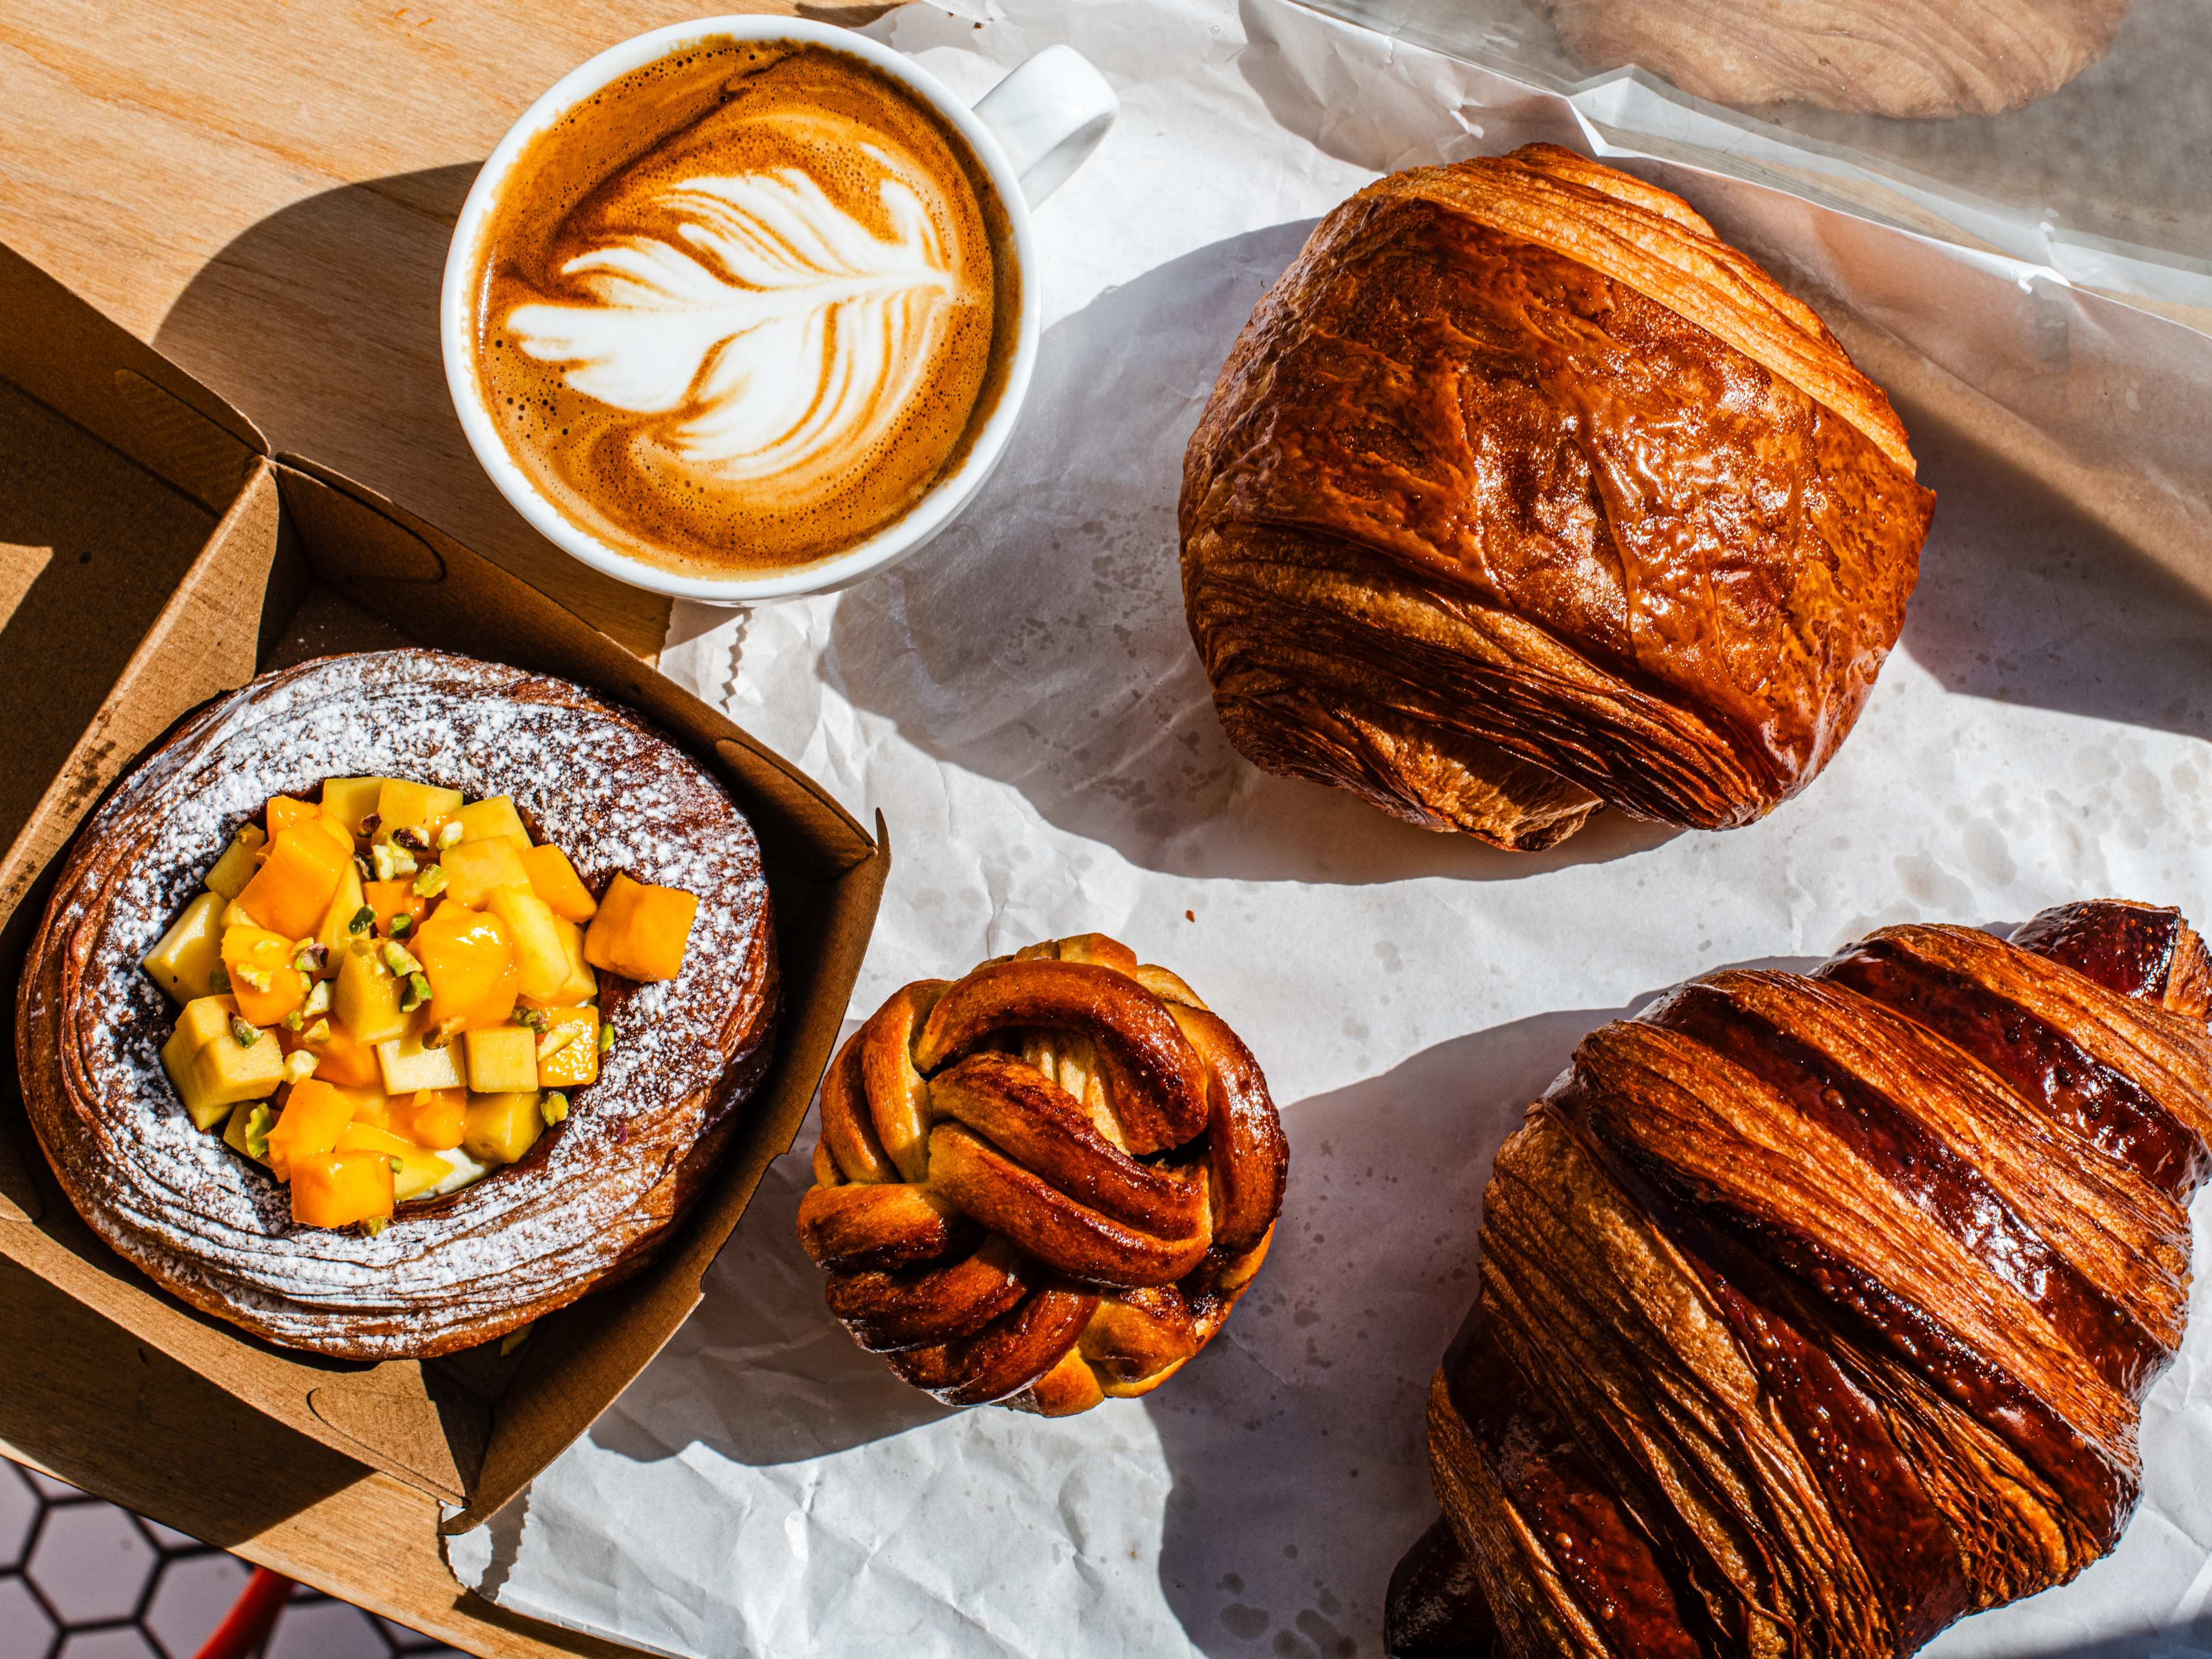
{"points": [[1045, 1182], [1817, 1311], [1523, 493]]}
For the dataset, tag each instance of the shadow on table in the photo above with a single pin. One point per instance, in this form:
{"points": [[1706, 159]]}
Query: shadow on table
{"points": [[1041, 640], [1292, 1547], [2188, 1641], [321, 323], [2024, 600]]}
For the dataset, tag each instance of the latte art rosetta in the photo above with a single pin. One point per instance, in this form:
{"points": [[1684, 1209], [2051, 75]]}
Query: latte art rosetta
{"points": [[784, 338], [744, 309]]}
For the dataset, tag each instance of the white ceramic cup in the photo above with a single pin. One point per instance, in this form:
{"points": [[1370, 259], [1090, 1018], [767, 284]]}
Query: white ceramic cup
{"points": [[1031, 131]]}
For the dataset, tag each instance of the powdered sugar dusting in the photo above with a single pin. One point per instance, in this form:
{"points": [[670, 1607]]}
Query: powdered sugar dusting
{"points": [[584, 775]]}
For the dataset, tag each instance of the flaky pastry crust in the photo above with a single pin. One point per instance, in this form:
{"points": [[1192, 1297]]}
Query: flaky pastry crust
{"points": [[591, 1201], [1523, 493], [1817, 1311]]}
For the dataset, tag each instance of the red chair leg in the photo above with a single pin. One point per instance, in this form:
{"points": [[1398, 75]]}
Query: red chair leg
{"points": [[247, 1625]]}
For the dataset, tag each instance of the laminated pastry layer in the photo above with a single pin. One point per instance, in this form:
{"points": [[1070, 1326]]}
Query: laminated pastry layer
{"points": [[1523, 493], [591, 1199], [1817, 1311]]}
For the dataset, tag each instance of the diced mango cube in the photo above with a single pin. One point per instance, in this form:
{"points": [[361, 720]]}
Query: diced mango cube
{"points": [[640, 930], [211, 1069], [408, 1066], [474, 868], [314, 1114], [541, 962], [490, 819], [470, 965], [336, 1189], [416, 1170], [420, 807], [283, 813], [336, 931], [229, 873], [502, 1127], [430, 1117], [366, 998], [341, 1058], [395, 898], [185, 962], [581, 984], [348, 802], [294, 884], [502, 1060], [574, 1060], [261, 977], [554, 880]]}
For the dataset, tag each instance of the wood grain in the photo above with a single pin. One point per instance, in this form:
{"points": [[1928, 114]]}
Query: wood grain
{"points": [[264, 189]]}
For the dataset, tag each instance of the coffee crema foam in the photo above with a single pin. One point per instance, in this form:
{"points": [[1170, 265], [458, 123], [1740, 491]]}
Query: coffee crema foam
{"points": [[744, 307]]}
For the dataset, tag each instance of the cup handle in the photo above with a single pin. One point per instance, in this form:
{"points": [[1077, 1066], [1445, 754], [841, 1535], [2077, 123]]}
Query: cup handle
{"points": [[1049, 114]]}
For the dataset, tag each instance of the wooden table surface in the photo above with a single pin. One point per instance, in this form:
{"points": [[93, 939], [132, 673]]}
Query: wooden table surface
{"points": [[264, 189]]}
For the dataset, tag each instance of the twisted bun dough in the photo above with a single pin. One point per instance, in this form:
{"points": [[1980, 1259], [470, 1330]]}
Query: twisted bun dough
{"points": [[1523, 493], [1817, 1311], [1044, 1183], [1879, 57]]}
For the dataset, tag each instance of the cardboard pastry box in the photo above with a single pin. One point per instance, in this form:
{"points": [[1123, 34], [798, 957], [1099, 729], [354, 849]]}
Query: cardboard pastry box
{"points": [[158, 554]]}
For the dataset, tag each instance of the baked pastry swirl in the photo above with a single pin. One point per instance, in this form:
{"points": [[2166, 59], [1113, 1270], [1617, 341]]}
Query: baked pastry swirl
{"points": [[1045, 1182], [588, 1199], [1819, 1311], [1522, 492]]}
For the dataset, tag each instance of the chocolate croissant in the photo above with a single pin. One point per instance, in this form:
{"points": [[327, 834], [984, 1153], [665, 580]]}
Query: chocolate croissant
{"points": [[1045, 1182], [1523, 493], [1819, 1311]]}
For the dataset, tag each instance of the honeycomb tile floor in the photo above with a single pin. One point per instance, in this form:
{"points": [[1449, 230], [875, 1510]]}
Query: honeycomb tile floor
{"points": [[81, 1579]]}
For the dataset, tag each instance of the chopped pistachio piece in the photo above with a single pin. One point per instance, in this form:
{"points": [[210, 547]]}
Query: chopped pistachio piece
{"points": [[442, 1033], [259, 1122], [294, 1020], [607, 1038], [554, 1108], [319, 1000], [431, 882], [397, 1167], [534, 1018], [401, 960], [392, 861], [415, 837], [312, 957], [416, 994], [319, 1032], [553, 1042], [450, 836], [361, 920], [259, 978], [243, 1031], [374, 1225], [299, 1065]]}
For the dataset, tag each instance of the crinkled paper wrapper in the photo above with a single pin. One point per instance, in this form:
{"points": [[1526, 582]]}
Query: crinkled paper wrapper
{"points": [[1022, 702]]}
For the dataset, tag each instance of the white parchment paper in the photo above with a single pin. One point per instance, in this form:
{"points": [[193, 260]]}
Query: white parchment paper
{"points": [[1022, 702]]}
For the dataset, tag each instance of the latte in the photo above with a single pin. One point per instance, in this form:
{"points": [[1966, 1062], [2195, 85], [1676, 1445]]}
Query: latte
{"points": [[741, 308]]}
